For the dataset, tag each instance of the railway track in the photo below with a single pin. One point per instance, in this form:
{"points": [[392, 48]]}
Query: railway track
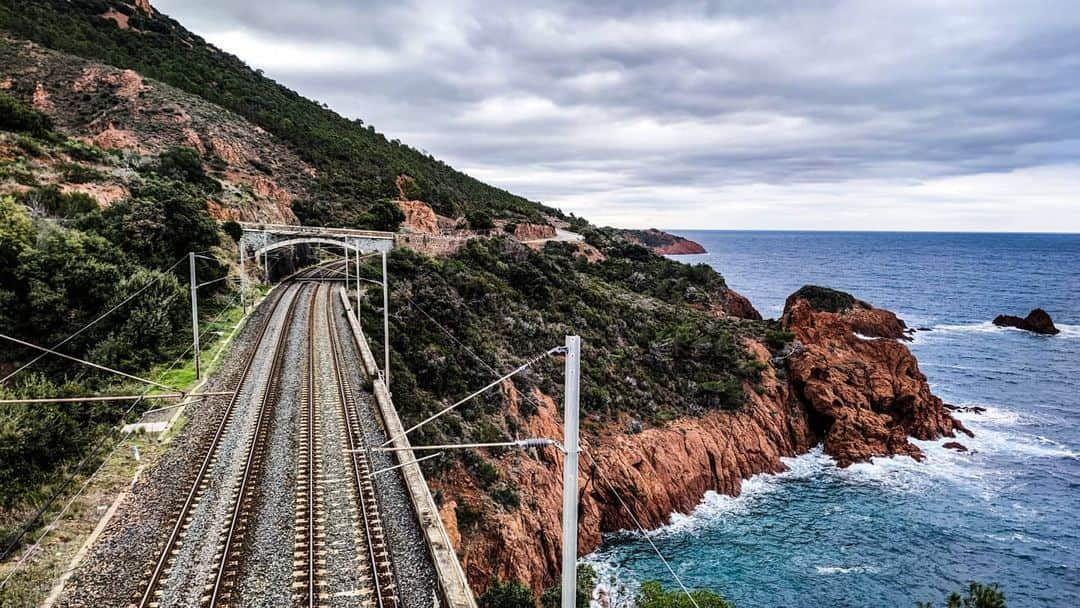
{"points": [[166, 560], [384, 591], [340, 555], [308, 538], [231, 543]]}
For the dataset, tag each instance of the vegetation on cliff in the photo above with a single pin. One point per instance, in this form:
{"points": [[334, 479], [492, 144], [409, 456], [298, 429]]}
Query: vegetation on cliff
{"points": [[63, 262], [824, 299], [653, 595], [646, 354]]}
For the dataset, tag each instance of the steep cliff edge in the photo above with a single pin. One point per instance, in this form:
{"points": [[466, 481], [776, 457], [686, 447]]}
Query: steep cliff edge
{"points": [[858, 397]]}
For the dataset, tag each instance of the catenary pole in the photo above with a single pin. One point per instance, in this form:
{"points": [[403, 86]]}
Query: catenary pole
{"points": [[385, 325], [243, 277], [194, 315], [570, 472]]}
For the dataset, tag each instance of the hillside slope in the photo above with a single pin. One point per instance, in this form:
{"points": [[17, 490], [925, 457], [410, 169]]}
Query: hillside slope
{"points": [[356, 166]]}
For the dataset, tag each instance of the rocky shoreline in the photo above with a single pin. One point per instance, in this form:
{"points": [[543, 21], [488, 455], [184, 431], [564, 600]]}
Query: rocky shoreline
{"points": [[846, 382]]}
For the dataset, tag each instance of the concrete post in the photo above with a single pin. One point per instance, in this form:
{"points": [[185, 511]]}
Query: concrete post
{"points": [[357, 281], [194, 313], [385, 325], [345, 249], [243, 278], [570, 472]]}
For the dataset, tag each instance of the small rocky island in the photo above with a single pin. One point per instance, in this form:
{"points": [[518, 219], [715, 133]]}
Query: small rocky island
{"points": [[1037, 321]]}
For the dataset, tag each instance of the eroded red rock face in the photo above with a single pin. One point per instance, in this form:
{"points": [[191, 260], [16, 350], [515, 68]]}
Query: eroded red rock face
{"points": [[865, 396], [858, 397], [533, 232]]}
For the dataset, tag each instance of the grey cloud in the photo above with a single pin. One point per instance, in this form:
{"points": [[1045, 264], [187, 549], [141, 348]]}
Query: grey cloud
{"points": [[685, 95]]}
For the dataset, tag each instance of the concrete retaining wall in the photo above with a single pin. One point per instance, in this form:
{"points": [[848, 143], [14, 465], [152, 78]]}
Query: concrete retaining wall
{"points": [[452, 582]]}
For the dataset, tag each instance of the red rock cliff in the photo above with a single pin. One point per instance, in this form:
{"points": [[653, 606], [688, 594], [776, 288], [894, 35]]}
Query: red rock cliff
{"points": [[859, 398]]}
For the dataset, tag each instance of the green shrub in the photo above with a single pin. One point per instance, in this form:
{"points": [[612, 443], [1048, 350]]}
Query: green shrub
{"points": [[18, 117], [76, 173], [586, 582], [977, 596], [653, 595], [506, 496], [184, 164], [480, 220], [59, 204], [233, 229], [777, 339], [824, 299], [468, 516], [507, 595]]}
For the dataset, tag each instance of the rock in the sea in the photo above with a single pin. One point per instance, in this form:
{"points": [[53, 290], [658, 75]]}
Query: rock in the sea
{"points": [[1037, 321], [954, 445], [865, 396]]}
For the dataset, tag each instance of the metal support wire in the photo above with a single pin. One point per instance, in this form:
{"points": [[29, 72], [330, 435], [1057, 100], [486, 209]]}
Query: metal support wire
{"points": [[519, 369], [95, 321], [644, 532], [536, 442], [90, 363], [463, 346], [75, 472]]}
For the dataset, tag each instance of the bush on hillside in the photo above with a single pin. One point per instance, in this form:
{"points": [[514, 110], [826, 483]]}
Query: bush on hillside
{"points": [[653, 595], [978, 595], [824, 299], [507, 595], [51, 201], [18, 117]]}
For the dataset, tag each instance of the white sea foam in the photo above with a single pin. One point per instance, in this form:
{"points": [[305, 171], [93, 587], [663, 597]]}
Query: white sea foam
{"points": [[867, 338], [714, 506], [827, 570]]}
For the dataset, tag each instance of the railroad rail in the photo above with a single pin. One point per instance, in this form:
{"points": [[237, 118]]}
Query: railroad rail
{"points": [[230, 550], [152, 585], [378, 554], [368, 578], [308, 539]]}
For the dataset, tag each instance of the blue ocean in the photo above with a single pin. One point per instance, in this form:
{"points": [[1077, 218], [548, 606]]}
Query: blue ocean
{"points": [[895, 531]]}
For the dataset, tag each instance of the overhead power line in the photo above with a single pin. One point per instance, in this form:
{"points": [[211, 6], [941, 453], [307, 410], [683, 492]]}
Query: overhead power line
{"points": [[95, 321], [516, 371]]}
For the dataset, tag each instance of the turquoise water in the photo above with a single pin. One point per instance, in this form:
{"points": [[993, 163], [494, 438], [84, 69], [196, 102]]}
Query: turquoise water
{"points": [[894, 531]]}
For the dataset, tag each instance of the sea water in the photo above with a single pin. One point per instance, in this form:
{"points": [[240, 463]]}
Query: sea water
{"points": [[895, 531]]}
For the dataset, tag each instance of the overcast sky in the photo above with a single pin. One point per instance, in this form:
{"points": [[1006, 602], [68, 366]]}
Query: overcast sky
{"points": [[948, 115]]}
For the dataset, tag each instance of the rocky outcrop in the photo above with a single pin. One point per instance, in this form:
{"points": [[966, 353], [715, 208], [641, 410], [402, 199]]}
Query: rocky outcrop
{"points": [[111, 138], [663, 243], [737, 305], [533, 232], [858, 397], [865, 397], [1037, 321], [419, 217]]}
